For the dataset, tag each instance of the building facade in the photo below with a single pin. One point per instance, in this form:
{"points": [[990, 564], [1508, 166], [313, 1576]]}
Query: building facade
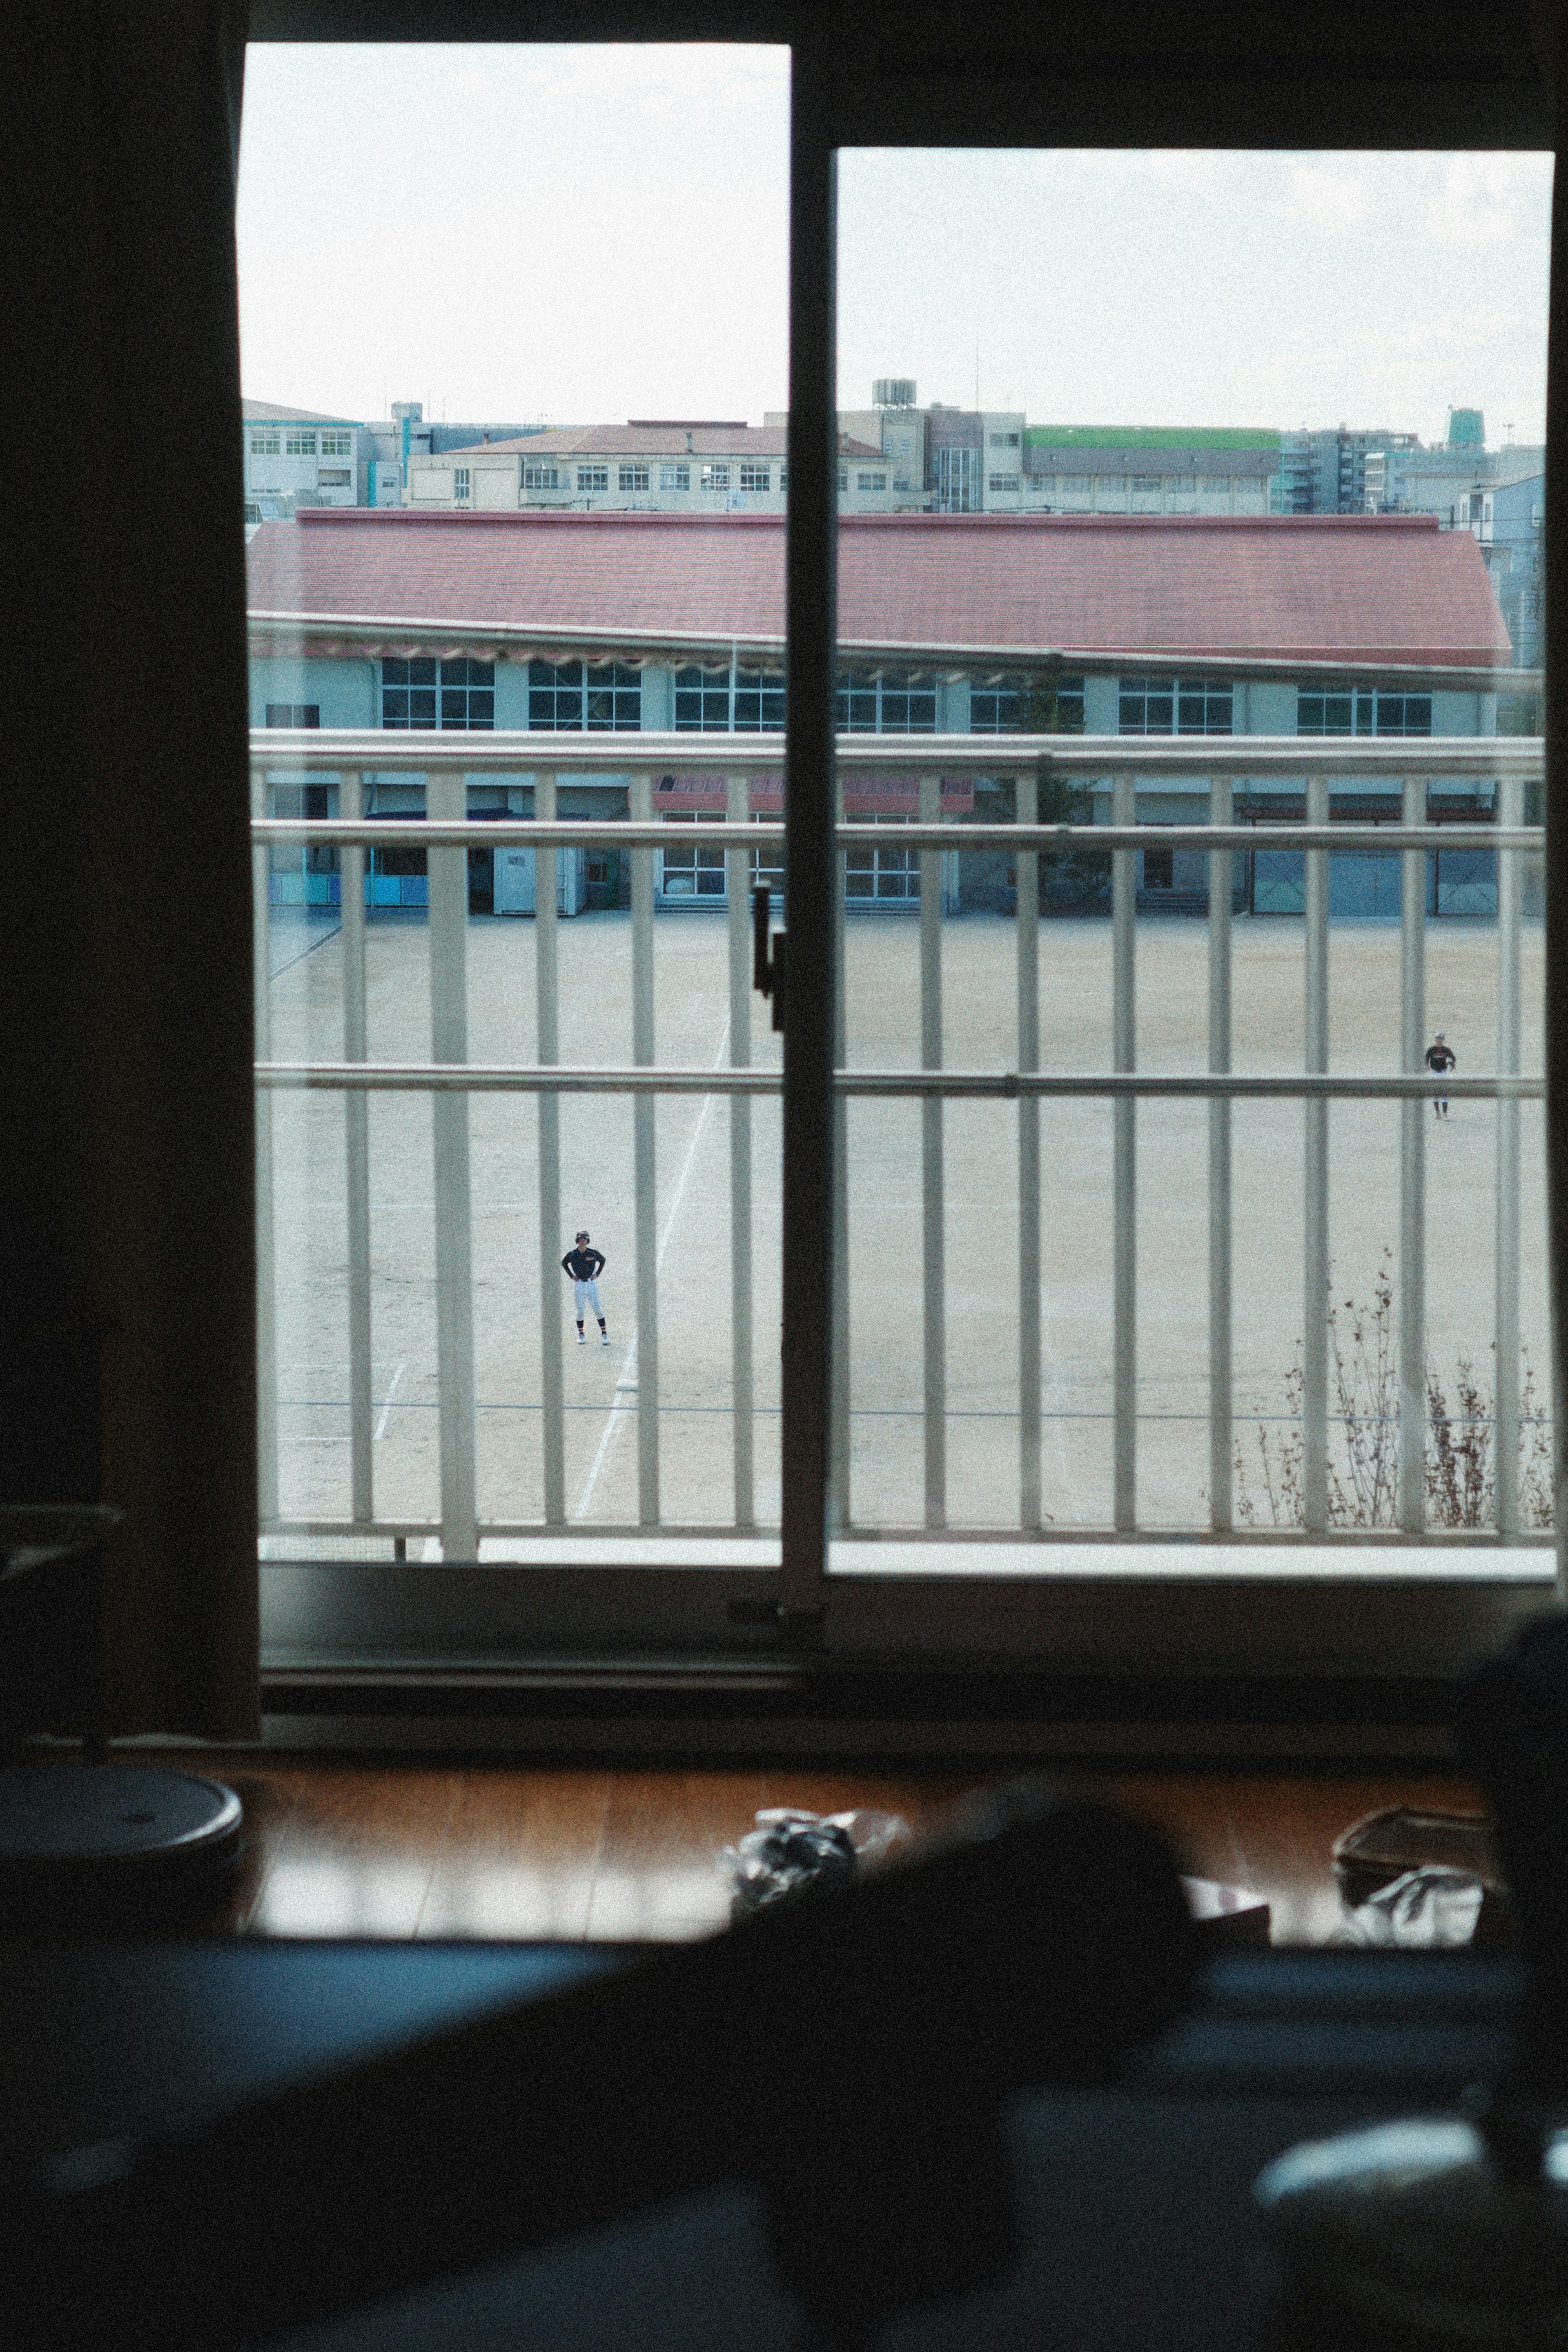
{"points": [[298, 457], [629, 624], [646, 466]]}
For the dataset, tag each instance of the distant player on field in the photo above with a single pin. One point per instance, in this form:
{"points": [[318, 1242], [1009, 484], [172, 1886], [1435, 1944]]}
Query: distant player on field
{"points": [[1441, 1057], [585, 1265]]}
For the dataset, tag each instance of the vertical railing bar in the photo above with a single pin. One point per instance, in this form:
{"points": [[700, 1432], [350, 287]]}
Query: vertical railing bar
{"points": [[447, 801], [1315, 1178], [547, 1021], [1412, 1173], [1505, 1448], [266, 1267], [840, 1485], [1124, 1048], [1027, 898], [356, 1161], [645, 1169], [737, 863], [1221, 1445], [933, 1206]]}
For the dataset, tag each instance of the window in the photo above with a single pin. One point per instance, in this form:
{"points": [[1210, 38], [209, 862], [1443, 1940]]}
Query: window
{"points": [[887, 702], [337, 445], [712, 701], [1147, 485], [333, 478], [1159, 869], [266, 441], [691, 873], [675, 477], [1002, 482], [759, 701], [408, 690], [702, 700], [1012, 705], [882, 877], [592, 478], [715, 477], [1165, 706], [568, 696], [783, 478], [1003, 440], [297, 442], [1361, 710], [1215, 486], [870, 481], [414, 691], [468, 694], [294, 714], [538, 477], [460, 482], [756, 477], [633, 478]]}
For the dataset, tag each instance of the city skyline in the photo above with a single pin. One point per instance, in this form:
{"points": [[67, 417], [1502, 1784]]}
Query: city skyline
{"points": [[583, 234]]}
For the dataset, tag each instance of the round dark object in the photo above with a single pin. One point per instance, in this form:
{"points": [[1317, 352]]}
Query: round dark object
{"points": [[105, 1845]]}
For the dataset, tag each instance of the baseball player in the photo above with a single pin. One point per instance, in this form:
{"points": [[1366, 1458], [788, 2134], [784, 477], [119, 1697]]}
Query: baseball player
{"points": [[585, 1265], [1441, 1057]]}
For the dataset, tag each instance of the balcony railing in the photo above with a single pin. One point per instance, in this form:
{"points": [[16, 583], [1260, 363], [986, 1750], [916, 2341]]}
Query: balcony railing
{"points": [[449, 1078]]}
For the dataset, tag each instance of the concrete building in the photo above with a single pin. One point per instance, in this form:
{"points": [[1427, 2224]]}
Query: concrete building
{"points": [[947, 460], [650, 465], [1507, 522], [629, 623], [298, 457], [391, 447]]}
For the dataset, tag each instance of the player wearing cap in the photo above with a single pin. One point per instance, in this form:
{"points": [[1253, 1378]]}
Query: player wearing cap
{"points": [[1441, 1057], [585, 1265]]}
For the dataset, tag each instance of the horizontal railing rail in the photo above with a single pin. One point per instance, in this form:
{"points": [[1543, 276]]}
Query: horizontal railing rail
{"points": [[607, 751], [1504, 766], [999, 1085]]}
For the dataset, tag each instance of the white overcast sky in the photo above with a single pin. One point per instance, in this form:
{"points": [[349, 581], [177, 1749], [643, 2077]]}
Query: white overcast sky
{"points": [[584, 234]]}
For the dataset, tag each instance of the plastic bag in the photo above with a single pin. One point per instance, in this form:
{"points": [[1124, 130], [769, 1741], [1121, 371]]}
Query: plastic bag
{"points": [[1430, 1909], [789, 1849]]}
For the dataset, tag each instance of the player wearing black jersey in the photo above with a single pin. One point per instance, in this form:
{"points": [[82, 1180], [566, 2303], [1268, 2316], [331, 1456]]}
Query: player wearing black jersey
{"points": [[1441, 1057], [585, 1265]]}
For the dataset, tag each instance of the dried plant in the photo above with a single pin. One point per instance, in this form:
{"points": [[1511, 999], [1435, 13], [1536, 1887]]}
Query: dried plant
{"points": [[1459, 1472]]}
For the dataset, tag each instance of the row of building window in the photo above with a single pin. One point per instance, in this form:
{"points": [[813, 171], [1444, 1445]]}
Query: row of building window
{"points": [[735, 700], [637, 476], [272, 441]]}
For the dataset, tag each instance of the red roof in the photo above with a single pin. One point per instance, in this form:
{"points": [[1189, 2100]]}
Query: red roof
{"points": [[1320, 589]]}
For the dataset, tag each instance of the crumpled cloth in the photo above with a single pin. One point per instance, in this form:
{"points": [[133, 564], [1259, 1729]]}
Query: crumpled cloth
{"points": [[1430, 1909]]}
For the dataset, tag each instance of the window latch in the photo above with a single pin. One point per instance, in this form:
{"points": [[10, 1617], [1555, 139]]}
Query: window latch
{"points": [[768, 955]]}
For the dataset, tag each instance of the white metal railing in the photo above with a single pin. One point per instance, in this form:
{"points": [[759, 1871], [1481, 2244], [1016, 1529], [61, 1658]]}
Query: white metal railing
{"points": [[449, 1078]]}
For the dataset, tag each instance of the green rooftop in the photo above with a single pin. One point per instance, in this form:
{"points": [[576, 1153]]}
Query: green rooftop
{"points": [[1148, 437]]}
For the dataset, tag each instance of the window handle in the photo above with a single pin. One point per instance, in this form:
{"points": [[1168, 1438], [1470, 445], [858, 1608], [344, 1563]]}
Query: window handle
{"points": [[768, 954]]}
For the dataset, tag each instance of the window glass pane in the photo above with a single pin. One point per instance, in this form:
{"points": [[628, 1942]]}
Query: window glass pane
{"points": [[429, 1397], [1111, 520]]}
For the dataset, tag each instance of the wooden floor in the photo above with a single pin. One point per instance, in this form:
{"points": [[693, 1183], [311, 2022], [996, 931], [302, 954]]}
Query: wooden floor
{"points": [[476, 1851]]}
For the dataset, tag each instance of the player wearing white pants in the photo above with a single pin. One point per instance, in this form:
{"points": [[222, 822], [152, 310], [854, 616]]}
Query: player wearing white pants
{"points": [[585, 1265]]}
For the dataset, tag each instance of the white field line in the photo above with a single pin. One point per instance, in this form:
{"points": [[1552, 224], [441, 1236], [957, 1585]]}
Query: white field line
{"points": [[380, 1431], [627, 1381]]}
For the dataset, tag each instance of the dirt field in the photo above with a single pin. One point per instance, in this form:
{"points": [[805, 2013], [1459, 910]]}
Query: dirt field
{"points": [[980, 1152]]}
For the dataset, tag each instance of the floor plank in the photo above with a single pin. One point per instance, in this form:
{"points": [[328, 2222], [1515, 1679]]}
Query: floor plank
{"points": [[486, 1851]]}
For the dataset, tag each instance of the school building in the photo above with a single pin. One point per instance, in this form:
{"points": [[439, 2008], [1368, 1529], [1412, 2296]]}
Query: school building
{"points": [[541, 623]]}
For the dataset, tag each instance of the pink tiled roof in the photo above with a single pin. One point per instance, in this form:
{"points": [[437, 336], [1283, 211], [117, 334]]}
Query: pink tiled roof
{"points": [[657, 441], [1310, 589]]}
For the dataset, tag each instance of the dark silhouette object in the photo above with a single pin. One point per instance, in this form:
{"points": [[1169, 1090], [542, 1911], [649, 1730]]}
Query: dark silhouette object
{"points": [[92, 1847], [1456, 2229], [846, 2050]]}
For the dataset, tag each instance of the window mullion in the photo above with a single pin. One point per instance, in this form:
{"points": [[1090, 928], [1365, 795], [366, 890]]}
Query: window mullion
{"points": [[811, 629]]}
